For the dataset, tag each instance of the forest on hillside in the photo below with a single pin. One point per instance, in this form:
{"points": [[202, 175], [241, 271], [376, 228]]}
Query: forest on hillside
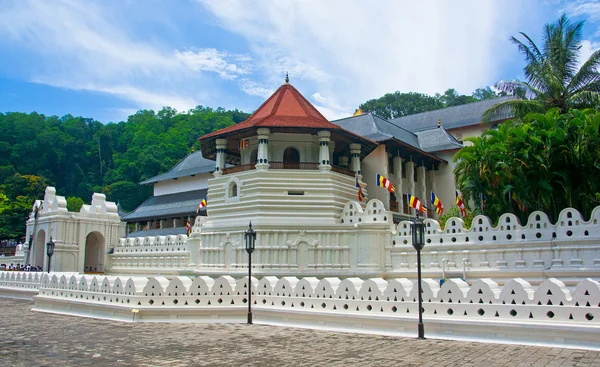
{"points": [[80, 156]]}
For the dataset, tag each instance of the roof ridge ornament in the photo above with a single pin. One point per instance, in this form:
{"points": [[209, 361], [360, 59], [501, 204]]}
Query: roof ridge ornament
{"points": [[287, 78], [439, 123]]}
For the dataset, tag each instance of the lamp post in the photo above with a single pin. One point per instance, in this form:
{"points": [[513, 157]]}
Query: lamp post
{"points": [[49, 251], [250, 237], [418, 242]]}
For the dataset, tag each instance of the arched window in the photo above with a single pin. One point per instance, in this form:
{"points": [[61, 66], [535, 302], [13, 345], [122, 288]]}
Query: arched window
{"points": [[233, 190], [291, 158]]}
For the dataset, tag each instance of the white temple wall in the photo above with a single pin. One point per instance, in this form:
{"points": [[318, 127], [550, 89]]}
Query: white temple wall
{"points": [[182, 184], [279, 198], [69, 231], [517, 312], [444, 180], [376, 162]]}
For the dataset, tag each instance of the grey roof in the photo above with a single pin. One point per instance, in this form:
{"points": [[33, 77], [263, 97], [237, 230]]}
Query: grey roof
{"points": [[159, 232], [377, 129], [451, 117], [437, 140], [120, 210], [172, 205], [192, 164]]}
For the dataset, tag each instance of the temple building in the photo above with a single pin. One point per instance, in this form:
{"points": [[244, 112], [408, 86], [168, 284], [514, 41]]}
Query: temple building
{"points": [[175, 199]]}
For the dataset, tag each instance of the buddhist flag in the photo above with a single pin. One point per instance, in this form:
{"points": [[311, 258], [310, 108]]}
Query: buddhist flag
{"points": [[361, 194], [414, 202], [437, 203], [520, 205], [243, 144], [201, 205], [461, 205], [188, 228], [384, 182]]}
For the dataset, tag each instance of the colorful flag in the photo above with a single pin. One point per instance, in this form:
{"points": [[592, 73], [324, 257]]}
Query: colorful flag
{"points": [[361, 194], [414, 202], [188, 227], [384, 182], [461, 205], [201, 205], [243, 144], [435, 201], [522, 207]]}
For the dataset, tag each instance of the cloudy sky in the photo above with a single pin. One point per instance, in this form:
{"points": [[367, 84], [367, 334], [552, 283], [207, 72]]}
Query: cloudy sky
{"points": [[107, 59]]}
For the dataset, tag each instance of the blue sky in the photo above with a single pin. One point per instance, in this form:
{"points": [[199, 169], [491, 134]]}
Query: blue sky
{"points": [[108, 59]]}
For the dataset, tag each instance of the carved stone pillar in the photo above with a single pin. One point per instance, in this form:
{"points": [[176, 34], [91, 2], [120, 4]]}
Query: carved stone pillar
{"points": [[262, 160], [410, 178], [397, 162], [355, 154], [422, 185], [343, 162], [324, 158], [221, 145]]}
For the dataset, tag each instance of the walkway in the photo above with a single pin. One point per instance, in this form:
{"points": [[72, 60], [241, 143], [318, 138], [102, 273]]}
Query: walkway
{"points": [[38, 339]]}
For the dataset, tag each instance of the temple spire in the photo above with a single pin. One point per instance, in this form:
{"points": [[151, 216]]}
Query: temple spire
{"points": [[287, 78]]}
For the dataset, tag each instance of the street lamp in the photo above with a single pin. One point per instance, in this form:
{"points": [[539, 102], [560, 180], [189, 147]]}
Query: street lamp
{"points": [[418, 242], [250, 237], [49, 251]]}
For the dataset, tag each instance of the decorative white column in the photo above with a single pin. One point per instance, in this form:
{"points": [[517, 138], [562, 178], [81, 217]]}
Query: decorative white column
{"points": [[220, 161], [343, 162], [355, 155], [410, 178], [324, 158], [422, 185], [262, 159], [431, 176], [397, 162]]}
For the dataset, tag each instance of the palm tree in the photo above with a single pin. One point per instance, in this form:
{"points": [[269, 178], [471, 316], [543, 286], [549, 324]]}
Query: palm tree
{"points": [[553, 78]]}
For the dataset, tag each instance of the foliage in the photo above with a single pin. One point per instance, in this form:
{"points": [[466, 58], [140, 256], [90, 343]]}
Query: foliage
{"points": [[79, 155], [13, 215], [454, 212], [397, 104], [552, 73], [74, 204], [547, 161]]}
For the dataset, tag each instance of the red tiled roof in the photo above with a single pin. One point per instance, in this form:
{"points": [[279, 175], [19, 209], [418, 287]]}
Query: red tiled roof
{"points": [[286, 108]]}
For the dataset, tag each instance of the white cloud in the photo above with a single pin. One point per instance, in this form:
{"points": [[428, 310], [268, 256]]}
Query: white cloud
{"points": [[356, 51], [254, 88], [209, 59], [589, 8], [587, 49], [83, 46]]}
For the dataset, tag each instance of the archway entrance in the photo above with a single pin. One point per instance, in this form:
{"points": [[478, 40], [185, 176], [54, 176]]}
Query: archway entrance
{"points": [[291, 158], [94, 253], [39, 249]]}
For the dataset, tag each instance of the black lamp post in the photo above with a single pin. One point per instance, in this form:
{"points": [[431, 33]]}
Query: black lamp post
{"points": [[418, 242], [250, 237], [49, 251]]}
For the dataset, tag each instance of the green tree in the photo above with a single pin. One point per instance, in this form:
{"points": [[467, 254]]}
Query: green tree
{"points": [[398, 104], [553, 76], [546, 162], [74, 204]]}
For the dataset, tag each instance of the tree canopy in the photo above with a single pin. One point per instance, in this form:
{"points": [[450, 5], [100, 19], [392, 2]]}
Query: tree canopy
{"points": [[554, 78], [545, 162], [397, 104], [80, 156]]}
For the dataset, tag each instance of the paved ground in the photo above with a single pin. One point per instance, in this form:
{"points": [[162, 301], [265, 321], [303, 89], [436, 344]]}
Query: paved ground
{"points": [[38, 339]]}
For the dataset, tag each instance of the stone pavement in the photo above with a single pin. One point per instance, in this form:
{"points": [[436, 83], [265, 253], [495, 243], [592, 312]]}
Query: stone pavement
{"points": [[39, 339]]}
